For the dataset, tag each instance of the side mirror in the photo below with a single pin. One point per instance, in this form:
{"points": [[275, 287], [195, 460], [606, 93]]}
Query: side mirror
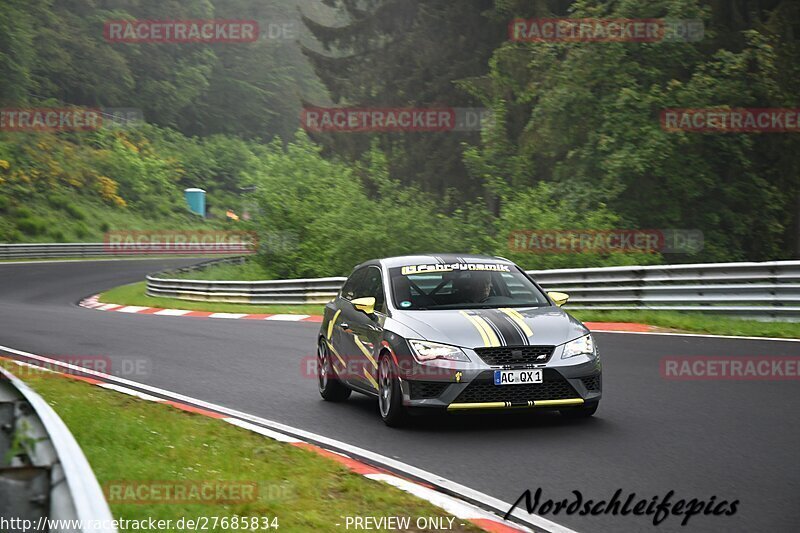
{"points": [[367, 304], [560, 298]]}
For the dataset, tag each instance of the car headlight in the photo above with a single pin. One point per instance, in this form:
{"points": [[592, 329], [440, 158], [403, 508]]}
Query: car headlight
{"points": [[428, 351], [581, 346]]}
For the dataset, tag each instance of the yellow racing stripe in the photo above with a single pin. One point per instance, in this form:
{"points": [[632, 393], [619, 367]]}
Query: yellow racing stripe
{"points": [[332, 322], [365, 351], [508, 405], [478, 327], [337, 354], [371, 379], [493, 340], [514, 315]]}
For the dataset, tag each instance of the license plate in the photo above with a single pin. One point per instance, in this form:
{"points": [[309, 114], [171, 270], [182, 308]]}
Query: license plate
{"points": [[517, 377]]}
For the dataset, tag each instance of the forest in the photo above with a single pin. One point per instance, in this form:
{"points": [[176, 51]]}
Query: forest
{"points": [[575, 140]]}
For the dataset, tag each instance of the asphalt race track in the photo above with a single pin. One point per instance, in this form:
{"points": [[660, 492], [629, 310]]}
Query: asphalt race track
{"points": [[737, 440]]}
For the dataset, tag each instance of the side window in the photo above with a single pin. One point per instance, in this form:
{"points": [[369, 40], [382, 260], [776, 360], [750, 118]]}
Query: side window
{"points": [[350, 287], [372, 285], [519, 291]]}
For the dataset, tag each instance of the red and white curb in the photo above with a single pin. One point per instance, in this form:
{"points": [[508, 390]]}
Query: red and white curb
{"points": [[93, 302], [597, 327], [453, 498]]}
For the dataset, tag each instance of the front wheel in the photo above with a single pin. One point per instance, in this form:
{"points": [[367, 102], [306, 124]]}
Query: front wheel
{"points": [[330, 388], [584, 411], [390, 397]]}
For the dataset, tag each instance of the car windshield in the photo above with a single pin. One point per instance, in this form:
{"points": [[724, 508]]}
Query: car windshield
{"points": [[424, 287]]}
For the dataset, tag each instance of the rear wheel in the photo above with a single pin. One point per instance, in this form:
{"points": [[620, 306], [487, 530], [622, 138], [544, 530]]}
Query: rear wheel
{"points": [[330, 388], [390, 397], [584, 411]]}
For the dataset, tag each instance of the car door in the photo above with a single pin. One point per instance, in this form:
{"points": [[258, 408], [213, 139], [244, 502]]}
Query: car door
{"points": [[366, 331], [344, 357]]}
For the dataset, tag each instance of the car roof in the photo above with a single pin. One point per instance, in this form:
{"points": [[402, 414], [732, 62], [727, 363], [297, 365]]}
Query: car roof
{"points": [[433, 259]]}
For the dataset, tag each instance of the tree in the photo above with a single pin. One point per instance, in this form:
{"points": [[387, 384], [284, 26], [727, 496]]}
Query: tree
{"points": [[585, 118], [406, 53]]}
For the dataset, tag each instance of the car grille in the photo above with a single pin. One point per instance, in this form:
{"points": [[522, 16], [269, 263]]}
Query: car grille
{"points": [[426, 389], [515, 355], [483, 389], [592, 383]]}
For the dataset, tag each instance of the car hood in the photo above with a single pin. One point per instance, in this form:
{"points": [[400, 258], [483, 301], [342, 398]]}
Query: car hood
{"points": [[474, 328]]}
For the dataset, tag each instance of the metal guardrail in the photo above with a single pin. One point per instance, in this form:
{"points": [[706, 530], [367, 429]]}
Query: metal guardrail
{"points": [[55, 250], [44, 474], [35, 251], [287, 292], [759, 290]]}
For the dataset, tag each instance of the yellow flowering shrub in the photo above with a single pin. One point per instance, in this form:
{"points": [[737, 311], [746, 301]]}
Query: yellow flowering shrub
{"points": [[108, 191]]}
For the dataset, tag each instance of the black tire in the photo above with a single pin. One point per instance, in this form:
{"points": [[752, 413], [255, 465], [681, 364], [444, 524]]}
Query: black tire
{"points": [[584, 411], [330, 388], [390, 397]]}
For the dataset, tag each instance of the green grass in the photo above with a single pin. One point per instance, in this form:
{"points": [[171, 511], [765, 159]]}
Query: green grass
{"points": [[134, 294], [130, 440], [694, 322], [74, 217]]}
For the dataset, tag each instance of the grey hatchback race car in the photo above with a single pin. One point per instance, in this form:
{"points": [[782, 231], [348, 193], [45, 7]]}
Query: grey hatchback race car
{"points": [[458, 334]]}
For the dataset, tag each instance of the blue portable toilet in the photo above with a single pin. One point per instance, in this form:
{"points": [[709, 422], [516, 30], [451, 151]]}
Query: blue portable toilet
{"points": [[196, 198]]}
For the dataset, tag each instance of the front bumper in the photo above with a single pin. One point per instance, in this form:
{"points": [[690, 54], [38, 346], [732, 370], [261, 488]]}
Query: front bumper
{"points": [[562, 387]]}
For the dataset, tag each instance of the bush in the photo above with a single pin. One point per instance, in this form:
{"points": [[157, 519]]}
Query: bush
{"points": [[32, 226], [62, 202], [56, 200], [8, 232], [542, 209], [74, 211], [22, 212], [148, 209], [163, 211], [5, 203], [81, 230], [14, 236], [313, 206]]}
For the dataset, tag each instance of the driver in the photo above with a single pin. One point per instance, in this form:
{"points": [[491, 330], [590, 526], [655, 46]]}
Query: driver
{"points": [[480, 285]]}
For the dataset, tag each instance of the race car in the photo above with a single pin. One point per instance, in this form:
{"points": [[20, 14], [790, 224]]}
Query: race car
{"points": [[455, 333]]}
